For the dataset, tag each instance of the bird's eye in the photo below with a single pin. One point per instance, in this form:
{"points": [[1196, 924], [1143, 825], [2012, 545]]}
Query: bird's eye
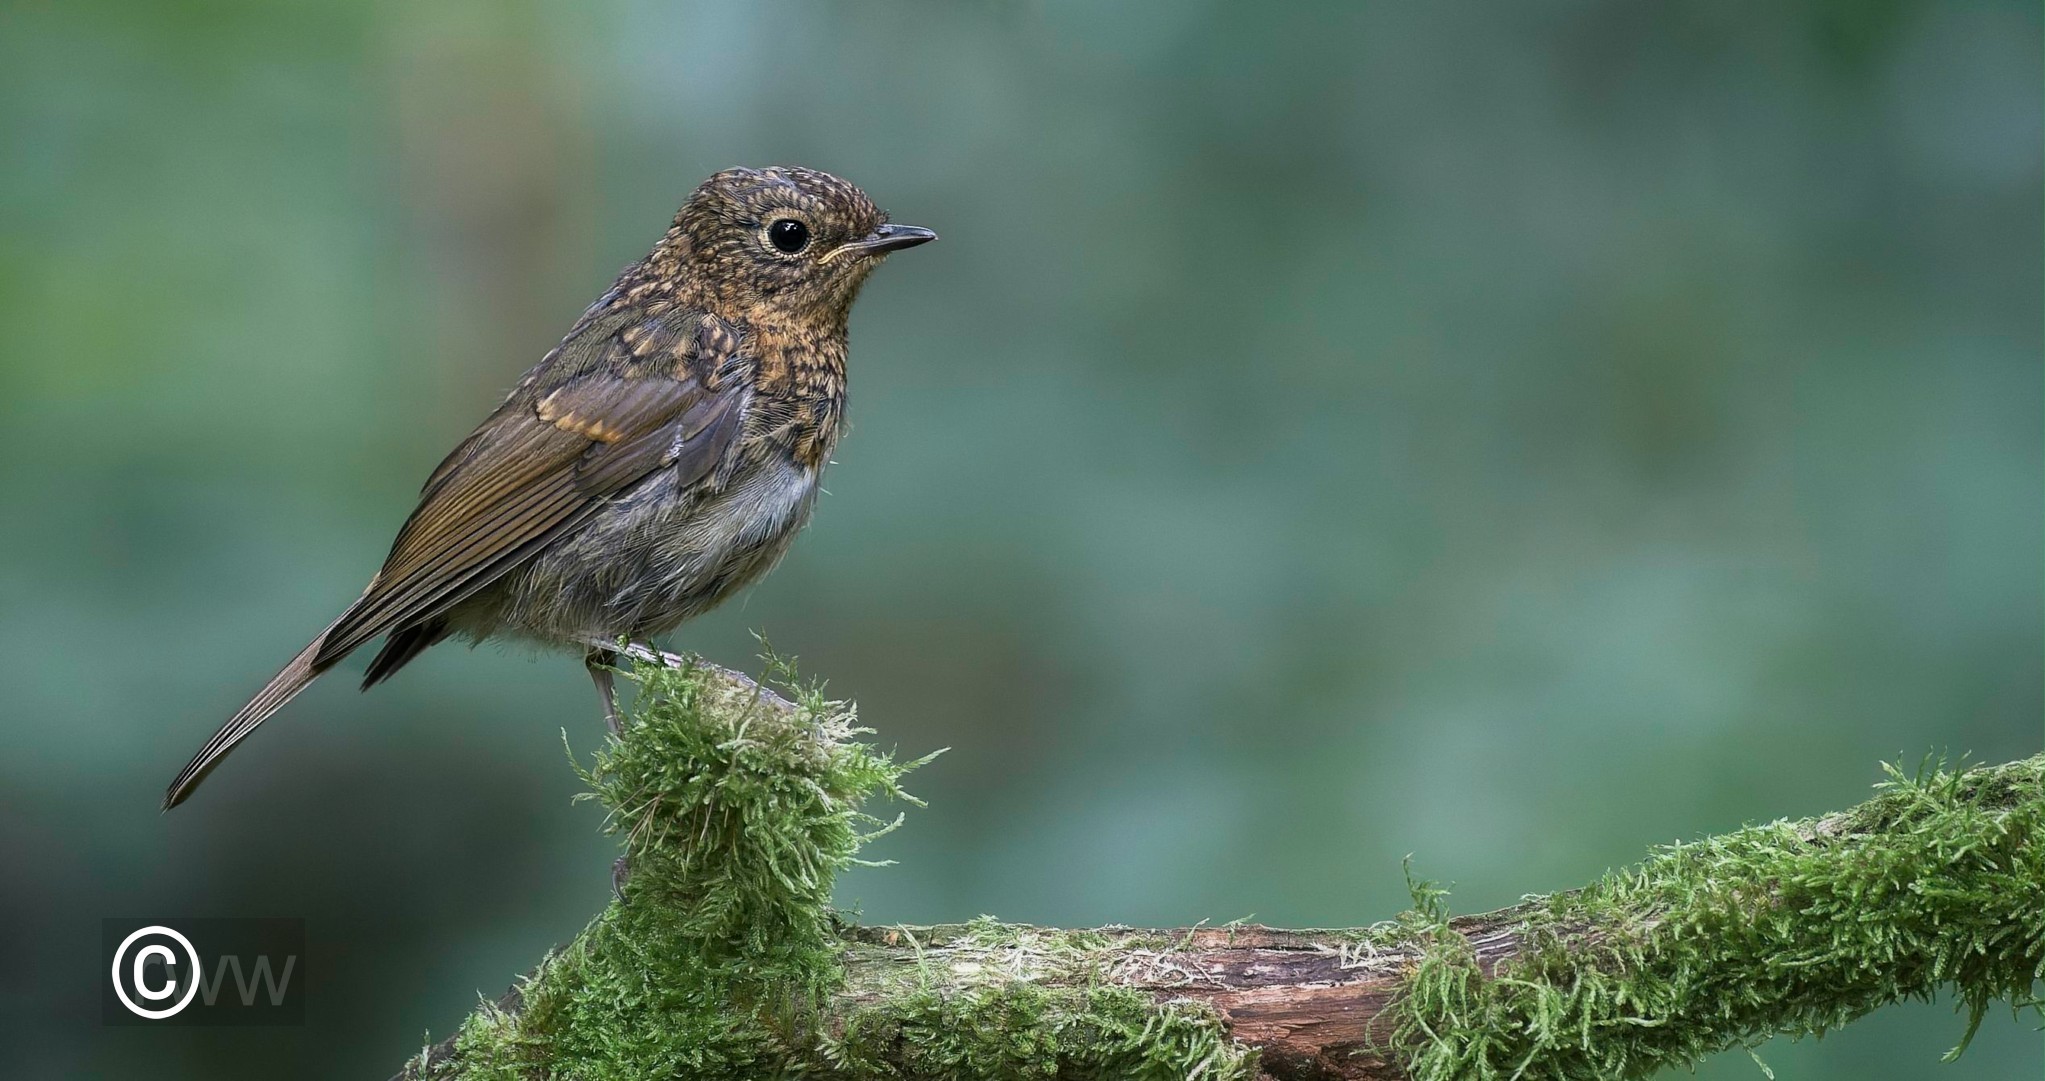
{"points": [[788, 235]]}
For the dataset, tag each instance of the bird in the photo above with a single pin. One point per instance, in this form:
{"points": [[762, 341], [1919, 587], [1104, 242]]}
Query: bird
{"points": [[658, 460]]}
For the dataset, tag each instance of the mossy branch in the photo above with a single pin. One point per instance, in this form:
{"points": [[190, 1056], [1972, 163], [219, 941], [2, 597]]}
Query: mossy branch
{"points": [[724, 960]]}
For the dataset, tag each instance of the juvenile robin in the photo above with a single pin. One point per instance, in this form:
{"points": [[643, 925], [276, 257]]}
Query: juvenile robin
{"points": [[654, 463]]}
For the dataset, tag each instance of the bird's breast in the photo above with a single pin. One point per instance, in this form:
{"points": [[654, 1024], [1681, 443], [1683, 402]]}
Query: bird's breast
{"points": [[765, 500]]}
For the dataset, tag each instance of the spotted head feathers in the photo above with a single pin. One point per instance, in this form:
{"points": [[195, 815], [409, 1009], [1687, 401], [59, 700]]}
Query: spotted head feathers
{"points": [[782, 243]]}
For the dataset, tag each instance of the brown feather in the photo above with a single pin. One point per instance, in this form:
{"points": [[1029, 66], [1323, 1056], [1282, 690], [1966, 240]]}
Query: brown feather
{"points": [[543, 462], [510, 495], [282, 688]]}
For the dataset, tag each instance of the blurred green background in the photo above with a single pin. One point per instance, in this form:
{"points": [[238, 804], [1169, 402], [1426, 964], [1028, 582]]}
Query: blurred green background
{"points": [[1508, 434]]}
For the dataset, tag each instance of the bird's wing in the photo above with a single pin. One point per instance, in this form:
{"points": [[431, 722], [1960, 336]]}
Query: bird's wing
{"points": [[626, 395]]}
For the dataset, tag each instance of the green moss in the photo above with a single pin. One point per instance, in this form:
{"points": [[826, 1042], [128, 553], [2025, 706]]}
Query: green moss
{"points": [[725, 960], [736, 815], [1019, 1029], [1787, 928]]}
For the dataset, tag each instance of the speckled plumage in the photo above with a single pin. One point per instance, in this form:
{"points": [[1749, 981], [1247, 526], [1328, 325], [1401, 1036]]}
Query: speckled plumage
{"points": [[658, 460]]}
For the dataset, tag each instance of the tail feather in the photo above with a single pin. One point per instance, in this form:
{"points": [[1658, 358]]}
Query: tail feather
{"points": [[282, 688], [401, 647]]}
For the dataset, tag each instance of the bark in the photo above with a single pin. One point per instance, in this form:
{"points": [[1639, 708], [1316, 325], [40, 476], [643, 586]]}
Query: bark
{"points": [[1312, 1002]]}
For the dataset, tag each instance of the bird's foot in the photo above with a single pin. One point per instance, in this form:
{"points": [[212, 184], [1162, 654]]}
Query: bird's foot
{"points": [[648, 653]]}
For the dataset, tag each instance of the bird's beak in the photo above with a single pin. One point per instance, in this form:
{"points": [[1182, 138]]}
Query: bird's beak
{"points": [[888, 238]]}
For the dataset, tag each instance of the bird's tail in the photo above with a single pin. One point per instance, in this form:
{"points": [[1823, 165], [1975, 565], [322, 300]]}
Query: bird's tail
{"points": [[282, 688]]}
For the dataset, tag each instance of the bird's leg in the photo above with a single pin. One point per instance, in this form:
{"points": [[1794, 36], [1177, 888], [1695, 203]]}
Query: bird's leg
{"points": [[621, 869], [599, 664], [598, 661]]}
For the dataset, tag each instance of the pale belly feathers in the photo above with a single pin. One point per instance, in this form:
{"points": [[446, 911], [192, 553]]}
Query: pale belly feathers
{"points": [[650, 559]]}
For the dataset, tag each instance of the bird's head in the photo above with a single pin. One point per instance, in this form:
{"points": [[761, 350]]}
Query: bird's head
{"points": [[784, 242]]}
